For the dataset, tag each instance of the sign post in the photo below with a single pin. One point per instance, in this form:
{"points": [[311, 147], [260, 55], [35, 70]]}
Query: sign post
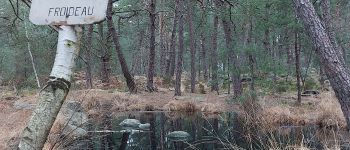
{"points": [[66, 14]]}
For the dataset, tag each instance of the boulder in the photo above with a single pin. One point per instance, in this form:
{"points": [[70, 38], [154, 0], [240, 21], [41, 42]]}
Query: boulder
{"points": [[74, 120], [144, 126], [178, 136], [130, 123], [133, 124]]}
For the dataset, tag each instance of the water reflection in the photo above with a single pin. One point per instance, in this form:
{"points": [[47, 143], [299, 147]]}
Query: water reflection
{"points": [[206, 132]]}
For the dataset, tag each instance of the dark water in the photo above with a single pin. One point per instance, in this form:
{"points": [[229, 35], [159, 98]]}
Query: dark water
{"points": [[207, 132]]}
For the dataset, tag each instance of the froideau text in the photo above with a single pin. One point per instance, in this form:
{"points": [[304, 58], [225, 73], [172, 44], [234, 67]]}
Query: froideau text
{"points": [[71, 11]]}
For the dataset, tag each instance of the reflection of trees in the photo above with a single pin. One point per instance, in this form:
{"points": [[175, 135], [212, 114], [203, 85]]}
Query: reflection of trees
{"points": [[124, 141]]}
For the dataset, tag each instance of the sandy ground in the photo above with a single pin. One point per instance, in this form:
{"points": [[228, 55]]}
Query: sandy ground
{"points": [[16, 110]]}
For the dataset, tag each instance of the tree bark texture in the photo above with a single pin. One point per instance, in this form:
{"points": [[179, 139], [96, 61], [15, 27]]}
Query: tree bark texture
{"points": [[129, 79], [152, 50], [337, 73], [181, 49], [327, 23], [53, 95]]}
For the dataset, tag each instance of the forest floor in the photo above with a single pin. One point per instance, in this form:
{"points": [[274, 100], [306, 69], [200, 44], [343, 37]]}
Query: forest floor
{"points": [[278, 109]]}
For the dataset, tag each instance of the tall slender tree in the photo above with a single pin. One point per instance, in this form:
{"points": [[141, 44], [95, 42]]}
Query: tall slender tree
{"points": [[170, 69], [228, 26], [152, 50], [214, 56], [129, 79], [88, 55], [192, 45], [181, 49]]}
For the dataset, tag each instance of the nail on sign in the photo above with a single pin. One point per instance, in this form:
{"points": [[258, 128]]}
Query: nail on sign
{"points": [[67, 12]]}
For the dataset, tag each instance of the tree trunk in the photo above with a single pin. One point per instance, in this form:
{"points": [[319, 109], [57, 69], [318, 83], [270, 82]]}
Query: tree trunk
{"points": [[171, 61], [31, 55], [152, 50], [124, 142], [327, 23], [153, 130], [297, 65], [214, 55], [337, 73], [53, 95], [192, 47], [236, 74], [181, 49], [105, 56], [162, 43], [250, 54], [88, 74], [204, 57], [129, 79]]}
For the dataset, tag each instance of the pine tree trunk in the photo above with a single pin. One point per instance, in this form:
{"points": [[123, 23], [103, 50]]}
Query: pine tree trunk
{"points": [[53, 95], [129, 79], [327, 23], [171, 61], [204, 57], [181, 49], [105, 56], [214, 55], [297, 66], [192, 47], [152, 51], [337, 73], [236, 73], [162, 43], [88, 74]]}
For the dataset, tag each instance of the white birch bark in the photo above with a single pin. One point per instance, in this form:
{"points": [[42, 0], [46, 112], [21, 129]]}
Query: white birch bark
{"points": [[31, 55], [53, 95]]}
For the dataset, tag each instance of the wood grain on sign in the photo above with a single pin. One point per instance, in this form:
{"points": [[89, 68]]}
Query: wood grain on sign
{"points": [[67, 12]]}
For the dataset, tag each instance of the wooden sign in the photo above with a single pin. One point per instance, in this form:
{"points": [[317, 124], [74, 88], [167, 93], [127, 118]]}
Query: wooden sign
{"points": [[67, 12]]}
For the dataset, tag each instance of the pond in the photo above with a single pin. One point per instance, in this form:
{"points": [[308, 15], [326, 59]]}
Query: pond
{"points": [[199, 131]]}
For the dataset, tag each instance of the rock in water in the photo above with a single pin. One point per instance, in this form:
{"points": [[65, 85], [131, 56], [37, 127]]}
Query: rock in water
{"points": [[178, 136], [144, 126], [130, 123]]}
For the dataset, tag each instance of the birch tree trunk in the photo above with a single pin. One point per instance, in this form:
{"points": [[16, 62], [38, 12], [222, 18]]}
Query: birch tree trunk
{"points": [[337, 73], [53, 95]]}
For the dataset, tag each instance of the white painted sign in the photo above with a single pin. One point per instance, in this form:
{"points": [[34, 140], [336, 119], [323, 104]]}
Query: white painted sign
{"points": [[67, 12]]}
